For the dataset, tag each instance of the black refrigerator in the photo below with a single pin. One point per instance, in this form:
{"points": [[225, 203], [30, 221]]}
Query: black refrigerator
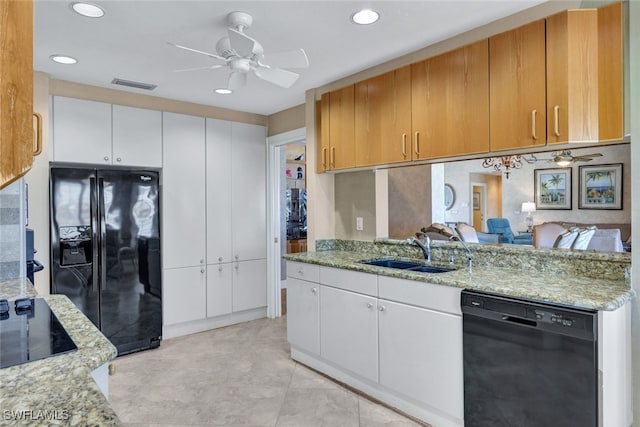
{"points": [[105, 251]]}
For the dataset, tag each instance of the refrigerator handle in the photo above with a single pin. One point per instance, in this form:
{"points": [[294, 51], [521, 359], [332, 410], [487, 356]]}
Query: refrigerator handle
{"points": [[102, 238], [95, 271]]}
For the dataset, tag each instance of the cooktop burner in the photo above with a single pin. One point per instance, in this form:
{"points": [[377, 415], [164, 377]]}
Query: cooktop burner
{"points": [[30, 331]]}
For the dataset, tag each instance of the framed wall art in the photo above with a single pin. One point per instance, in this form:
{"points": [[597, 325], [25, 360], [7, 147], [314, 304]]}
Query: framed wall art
{"points": [[600, 187], [553, 188]]}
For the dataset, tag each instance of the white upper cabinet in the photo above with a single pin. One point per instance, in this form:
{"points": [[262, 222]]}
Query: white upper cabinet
{"points": [[81, 131], [137, 137], [248, 187], [98, 133], [184, 205], [219, 216]]}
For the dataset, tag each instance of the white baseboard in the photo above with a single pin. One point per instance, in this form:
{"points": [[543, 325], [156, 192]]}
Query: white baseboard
{"points": [[187, 328]]}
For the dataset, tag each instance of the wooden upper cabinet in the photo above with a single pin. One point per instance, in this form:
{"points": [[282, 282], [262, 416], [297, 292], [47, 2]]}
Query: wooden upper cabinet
{"points": [[517, 88], [383, 118], [16, 90], [322, 134], [610, 74], [450, 103], [572, 77], [336, 149]]}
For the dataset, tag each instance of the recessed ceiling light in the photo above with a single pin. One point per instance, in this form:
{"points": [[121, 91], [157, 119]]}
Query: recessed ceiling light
{"points": [[63, 59], [223, 91], [365, 17], [88, 9]]}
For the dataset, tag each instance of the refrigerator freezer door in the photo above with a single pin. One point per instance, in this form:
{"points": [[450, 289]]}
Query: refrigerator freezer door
{"points": [[130, 265], [74, 246]]}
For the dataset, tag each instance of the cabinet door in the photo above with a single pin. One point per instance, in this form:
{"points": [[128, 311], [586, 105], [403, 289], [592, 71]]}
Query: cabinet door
{"points": [[421, 355], [572, 76], [610, 74], [81, 131], [342, 152], [219, 196], [16, 87], [249, 284], [517, 88], [183, 223], [322, 133], [184, 295], [248, 191], [383, 118], [303, 315], [137, 137], [219, 289], [450, 102], [349, 331]]}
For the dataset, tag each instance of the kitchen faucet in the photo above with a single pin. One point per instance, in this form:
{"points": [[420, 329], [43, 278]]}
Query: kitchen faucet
{"points": [[469, 257], [425, 245]]}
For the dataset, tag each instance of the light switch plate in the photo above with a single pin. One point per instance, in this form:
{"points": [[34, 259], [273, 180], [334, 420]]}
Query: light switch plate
{"points": [[359, 223]]}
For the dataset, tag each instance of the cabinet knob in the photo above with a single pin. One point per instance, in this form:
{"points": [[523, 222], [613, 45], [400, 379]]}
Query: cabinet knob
{"points": [[202, 270], [106, 158], [314, 290], [301, 272], [237, 257], [369, 305], [201, 261], [382, 308], [219, 259], [237, 266], [119, 159], [220, 269]]}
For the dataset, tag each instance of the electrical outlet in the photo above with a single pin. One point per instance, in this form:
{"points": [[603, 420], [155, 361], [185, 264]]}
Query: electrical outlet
{"points": [[359, 223]]}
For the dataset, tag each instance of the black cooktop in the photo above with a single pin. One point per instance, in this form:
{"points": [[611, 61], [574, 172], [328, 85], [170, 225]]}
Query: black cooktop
{"points": [[30, 331]]}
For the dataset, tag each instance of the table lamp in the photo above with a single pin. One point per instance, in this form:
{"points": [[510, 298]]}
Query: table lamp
{"points": [[528, 207]]}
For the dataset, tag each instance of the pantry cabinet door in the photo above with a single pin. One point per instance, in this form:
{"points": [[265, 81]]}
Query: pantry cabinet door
{"points": [[137, 137]]}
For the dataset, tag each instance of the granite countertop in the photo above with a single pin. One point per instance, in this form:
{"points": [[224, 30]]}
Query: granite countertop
{"points": [[59, 387], [582, 292]]}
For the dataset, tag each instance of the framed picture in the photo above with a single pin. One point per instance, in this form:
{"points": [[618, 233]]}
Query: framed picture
{"points": [[476, 200], [601, 187], [449, 197], [553, 188]]}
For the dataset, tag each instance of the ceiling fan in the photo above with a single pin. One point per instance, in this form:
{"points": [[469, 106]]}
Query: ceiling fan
{"points": [[563, 158], [242, 54]]}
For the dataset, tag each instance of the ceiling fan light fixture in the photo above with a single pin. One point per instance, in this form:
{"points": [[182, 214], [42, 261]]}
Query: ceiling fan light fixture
{"points": [[365, 17], [87, 9], [223, 91], [63, 59]]}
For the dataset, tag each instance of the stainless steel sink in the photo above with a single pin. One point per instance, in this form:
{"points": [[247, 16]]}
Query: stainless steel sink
{"points": [[406, 265]]}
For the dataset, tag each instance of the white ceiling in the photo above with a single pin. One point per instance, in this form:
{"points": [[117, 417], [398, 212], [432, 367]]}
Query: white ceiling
{"points": [[130, 42]]}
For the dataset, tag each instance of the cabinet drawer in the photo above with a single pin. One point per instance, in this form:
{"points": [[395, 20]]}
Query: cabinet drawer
{"points": [[421, 294], [363, 283], [303, 271]]}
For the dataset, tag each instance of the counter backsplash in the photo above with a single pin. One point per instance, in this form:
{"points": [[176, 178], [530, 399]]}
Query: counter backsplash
{"points": [[595, 265]]}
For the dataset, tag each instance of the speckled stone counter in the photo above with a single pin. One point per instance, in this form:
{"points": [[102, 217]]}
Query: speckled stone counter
{"points": [[57, 390], [595, 281]]}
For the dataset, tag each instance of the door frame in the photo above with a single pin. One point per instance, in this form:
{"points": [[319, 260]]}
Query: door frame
{"points": [[483, 203], [274, 179]]}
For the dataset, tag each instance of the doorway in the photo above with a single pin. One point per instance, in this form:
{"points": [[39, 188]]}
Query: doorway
{"points": [[479, 206], [276, 214]]}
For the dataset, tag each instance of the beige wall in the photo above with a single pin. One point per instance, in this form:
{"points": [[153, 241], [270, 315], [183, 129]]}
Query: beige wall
{"points": [[286, 120], [355, 196]]}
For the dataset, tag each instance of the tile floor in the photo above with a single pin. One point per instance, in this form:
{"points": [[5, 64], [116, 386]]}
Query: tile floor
{"points": [[240, 375]]}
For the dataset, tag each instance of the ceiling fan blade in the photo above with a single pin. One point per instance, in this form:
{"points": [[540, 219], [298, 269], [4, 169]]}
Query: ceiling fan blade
{"points": [[291, 59], [210, 67], [277, 76], [211, 55], [241, 43], [237, 80]]}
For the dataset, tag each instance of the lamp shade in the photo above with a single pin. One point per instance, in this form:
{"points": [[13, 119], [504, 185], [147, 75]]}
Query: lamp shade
{"points": [[528, 207]]}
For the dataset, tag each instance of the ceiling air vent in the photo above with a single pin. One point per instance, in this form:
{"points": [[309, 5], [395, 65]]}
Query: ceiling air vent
{"points": [[137, 85]]}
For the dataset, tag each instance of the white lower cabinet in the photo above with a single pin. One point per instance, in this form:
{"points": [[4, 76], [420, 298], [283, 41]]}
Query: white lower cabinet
{"points": [[303, 315], [184, 295], [349, 331], [249, 284], [421, 355], [219, 289]]}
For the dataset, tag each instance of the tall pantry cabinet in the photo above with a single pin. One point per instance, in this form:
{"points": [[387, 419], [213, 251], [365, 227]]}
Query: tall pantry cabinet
{"points": [[214, 221]]}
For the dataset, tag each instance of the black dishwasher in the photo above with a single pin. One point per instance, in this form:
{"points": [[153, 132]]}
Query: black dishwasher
{"points": [[528, 363]]}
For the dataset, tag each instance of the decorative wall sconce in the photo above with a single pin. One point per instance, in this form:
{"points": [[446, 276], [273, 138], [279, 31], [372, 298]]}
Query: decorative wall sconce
{"points": [[506, 162]]}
